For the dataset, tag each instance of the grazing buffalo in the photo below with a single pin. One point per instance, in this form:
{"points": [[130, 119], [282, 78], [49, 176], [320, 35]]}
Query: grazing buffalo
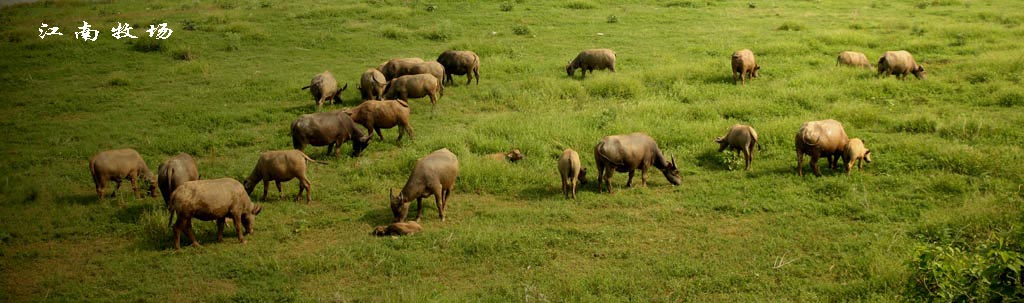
{"points": [[626, 153]]}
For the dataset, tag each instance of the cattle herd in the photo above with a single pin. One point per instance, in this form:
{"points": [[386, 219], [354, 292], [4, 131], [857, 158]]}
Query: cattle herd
{"points": [[386, 91]]}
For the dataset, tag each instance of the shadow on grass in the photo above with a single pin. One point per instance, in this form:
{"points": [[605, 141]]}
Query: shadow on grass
{"points": [[543, 192], [712, 159], [716, 78]]}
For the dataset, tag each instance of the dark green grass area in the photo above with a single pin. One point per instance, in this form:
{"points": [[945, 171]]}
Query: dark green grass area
{"points": [[945, 184]]}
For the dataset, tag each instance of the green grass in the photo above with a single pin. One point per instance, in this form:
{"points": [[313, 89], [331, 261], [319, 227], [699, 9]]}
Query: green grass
{"points": [[225, 87]]}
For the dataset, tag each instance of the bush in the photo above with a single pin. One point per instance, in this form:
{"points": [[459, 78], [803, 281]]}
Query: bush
{"points": [[580, 5], [146, 45], [506, 6], [183, 54], [920, 125], [791, 26], [990, 272], [521, 30], [615, 88], [613, 19]]}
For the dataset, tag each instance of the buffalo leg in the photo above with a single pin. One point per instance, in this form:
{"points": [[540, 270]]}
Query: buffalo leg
{"points": [[608, 178], [433, 102], [800, 162], [444, 200], [238, 227], [565, 187], [573, 183], [381, 137], [101, 183], [220, 229], [280, 193], [191, 236], [814, 163], [748, 157], [117, 185], [629, 182], [330, 147], [266, 186], [437, 200], [178, 226], [304, 184], [135, 186], [643, 177], [419, 211]]}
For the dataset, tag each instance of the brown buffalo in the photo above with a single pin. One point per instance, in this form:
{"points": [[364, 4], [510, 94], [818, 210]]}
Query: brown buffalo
{"points": [[900, 63], [626, 153], [856, 152], [850, 58], [825, 138], [375, 115], [174, 172], [117, 165], [372, 84], [331, 129], [398, 67], [280, 166], [324, 87], [415, 86], [207, 200], [740, 138], [743, 66], [513, 156], [571, 171], [434, 175], [398, 229], [460, 63], [591, 59]]}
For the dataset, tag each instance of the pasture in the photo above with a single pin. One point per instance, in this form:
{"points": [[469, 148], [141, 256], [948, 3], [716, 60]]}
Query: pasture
{"points": [[936, 215]]}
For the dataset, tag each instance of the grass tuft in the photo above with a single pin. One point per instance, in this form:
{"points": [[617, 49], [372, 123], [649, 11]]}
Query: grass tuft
{"points": [[791, 26], [580, 5]]}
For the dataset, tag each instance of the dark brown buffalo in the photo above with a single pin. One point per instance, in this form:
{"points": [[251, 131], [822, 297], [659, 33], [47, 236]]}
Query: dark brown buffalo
{"points": [[331, 129], [626, 153]]}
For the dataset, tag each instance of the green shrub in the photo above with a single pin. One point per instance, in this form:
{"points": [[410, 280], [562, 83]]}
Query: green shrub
{"points": [[521, 29], [791, 26], [146, 45], [183, 54], [615, 88], [580, 5], [918, 125], [506, 6], [990, 272]]}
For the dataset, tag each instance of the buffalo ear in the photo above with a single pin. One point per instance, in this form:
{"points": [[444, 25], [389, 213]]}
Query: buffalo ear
{"points": [[256, 209], [391, 193], [719, 139], [867, 152]]}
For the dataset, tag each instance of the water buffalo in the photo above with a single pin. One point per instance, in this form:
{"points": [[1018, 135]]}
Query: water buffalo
{"points": [[626, 153], [117, 165], [460, 63], [743, 66], [375, 115], [372, 84], [434, 175], [591, 59], [900, 63], [740, 138], [207, 200], [324, 87], [825, 138], [331, 129], [174, 172]]}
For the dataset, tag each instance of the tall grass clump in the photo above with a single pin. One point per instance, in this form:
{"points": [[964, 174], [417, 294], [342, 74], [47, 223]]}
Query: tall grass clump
{"points": [[616, 88], [580, 5]]}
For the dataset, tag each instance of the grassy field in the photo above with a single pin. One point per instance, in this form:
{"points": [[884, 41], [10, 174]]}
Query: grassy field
{"points": [[945, 186]]}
